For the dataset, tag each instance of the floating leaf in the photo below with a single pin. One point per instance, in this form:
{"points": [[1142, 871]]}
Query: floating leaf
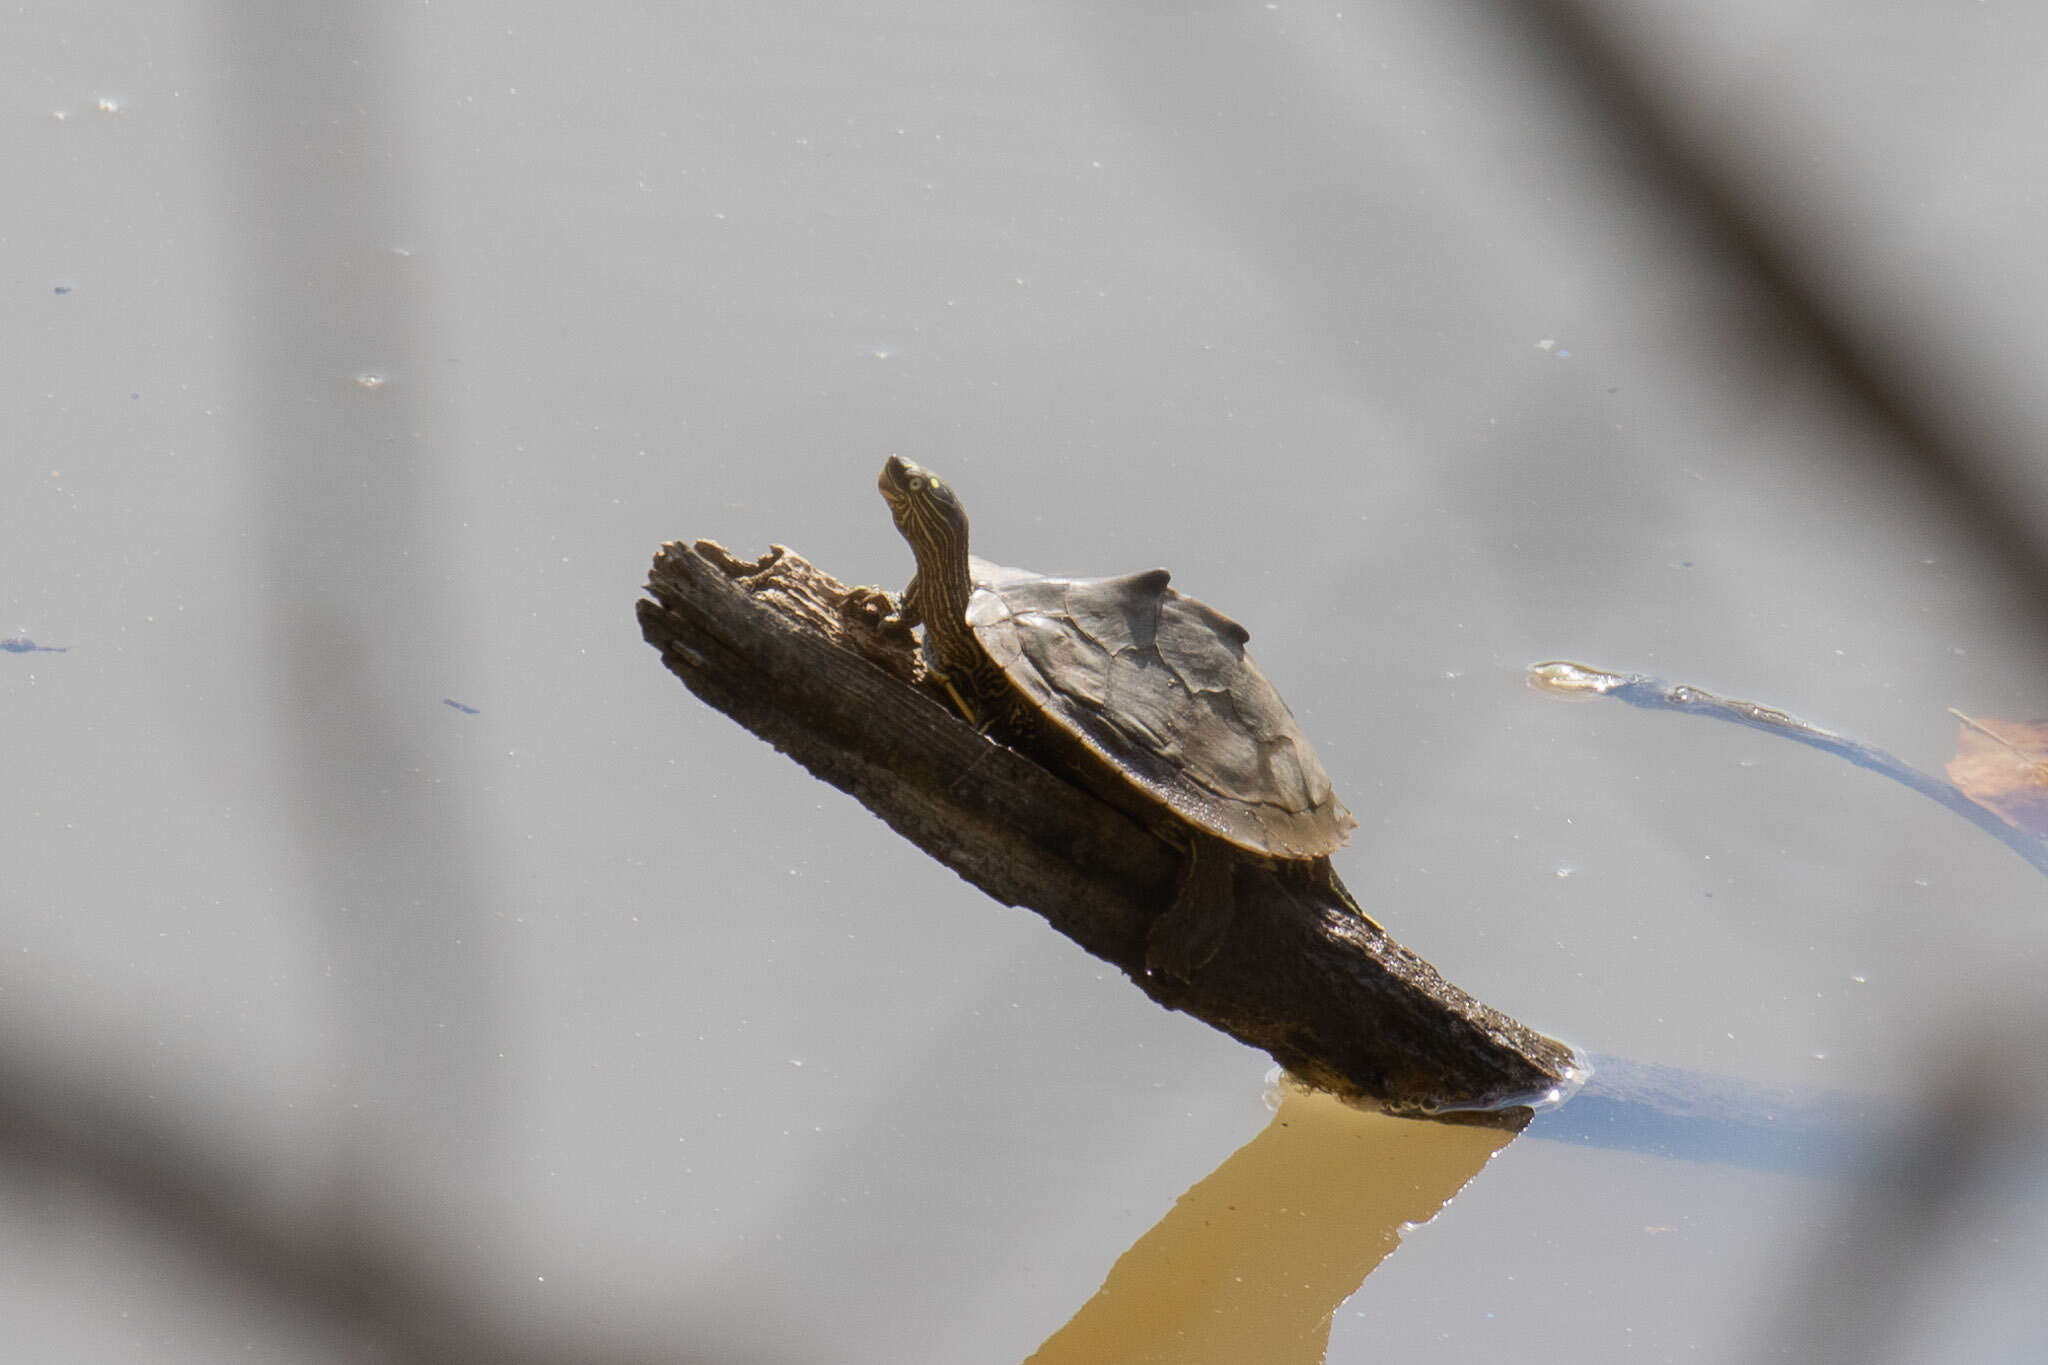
{"points": [[2002, 765]]}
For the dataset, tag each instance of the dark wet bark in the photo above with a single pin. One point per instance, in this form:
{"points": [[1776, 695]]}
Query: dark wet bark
{"points": [[811, 666]]}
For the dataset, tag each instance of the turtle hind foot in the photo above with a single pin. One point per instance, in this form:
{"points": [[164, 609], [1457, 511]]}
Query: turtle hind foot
{"points": [[1188, 934]]}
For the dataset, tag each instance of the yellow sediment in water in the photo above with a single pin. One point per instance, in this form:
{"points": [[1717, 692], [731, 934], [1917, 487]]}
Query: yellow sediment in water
{"points": [[1251, 1263]]}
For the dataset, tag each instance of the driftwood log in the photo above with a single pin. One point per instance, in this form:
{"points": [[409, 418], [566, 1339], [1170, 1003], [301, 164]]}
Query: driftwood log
{"points": [[817, 669]]}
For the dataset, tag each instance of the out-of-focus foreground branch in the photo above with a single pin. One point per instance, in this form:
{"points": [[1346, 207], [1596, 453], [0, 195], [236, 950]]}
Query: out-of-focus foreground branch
{"points": [[1857, 349], [360, 1269]]}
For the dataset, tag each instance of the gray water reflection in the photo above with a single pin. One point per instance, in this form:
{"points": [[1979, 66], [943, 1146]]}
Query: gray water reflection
{"points": [[1259, 292]]}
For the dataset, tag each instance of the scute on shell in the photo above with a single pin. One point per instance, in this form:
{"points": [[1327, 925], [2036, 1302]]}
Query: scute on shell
{"points": [[1160, 686]]}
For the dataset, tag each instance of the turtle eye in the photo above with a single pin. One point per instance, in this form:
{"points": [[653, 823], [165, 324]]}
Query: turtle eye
{"points": [[916, 483]]}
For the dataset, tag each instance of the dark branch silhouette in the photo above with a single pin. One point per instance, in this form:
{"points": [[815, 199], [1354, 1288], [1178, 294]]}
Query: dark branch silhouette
{"points": [[359, 1272], [1860, 357]]}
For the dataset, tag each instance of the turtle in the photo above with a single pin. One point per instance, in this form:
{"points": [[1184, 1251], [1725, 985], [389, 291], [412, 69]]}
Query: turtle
{"points": [[1136, 693]]}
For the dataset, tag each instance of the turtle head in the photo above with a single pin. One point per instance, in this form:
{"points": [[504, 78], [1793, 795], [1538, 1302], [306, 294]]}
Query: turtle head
{"points": [[928, 514], [933, 521]]}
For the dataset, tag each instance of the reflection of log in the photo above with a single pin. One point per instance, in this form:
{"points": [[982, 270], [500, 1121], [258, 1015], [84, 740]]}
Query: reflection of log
{"points": [[807, 664], [1252, 1263]]}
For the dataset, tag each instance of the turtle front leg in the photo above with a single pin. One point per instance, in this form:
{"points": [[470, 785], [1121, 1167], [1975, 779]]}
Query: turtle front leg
{"points": [[1188, 934], [910, 612], [910, 606]]}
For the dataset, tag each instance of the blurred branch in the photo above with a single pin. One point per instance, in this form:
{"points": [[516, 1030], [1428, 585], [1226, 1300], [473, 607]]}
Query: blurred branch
{"points": [[352, 1273], [1934, 1251], [354, 563], [1856, 352]]}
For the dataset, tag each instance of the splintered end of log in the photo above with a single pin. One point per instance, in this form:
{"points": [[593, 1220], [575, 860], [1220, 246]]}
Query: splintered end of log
{"points": [[821, 671]]}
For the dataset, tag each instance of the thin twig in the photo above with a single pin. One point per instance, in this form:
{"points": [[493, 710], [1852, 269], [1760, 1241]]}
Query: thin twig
{"points": [[1654, 694]]}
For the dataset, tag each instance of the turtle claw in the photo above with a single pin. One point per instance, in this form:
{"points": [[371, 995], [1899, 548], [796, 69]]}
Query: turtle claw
{"points": [[967, 711], [871, 607]]}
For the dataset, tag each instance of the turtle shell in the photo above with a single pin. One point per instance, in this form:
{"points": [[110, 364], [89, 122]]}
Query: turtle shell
{"points": [[1159, 688]]}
